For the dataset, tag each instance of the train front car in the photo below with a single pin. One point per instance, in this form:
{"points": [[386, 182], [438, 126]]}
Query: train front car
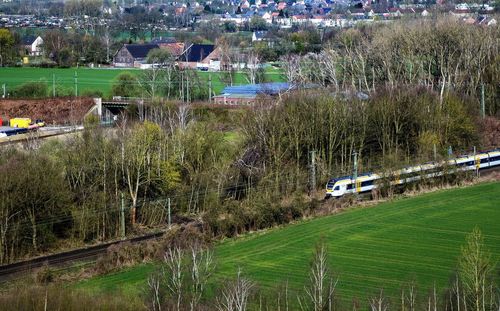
{"points": [[334, 189]]}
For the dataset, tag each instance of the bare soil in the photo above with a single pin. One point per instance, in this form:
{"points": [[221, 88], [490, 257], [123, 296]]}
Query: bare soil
{"points": [[54, 111]]}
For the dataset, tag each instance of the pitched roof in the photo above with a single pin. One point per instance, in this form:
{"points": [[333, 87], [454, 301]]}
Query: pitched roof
{"points": [[254, 89], [196, 52], [175, 49], [28, 40], [140, 50]]}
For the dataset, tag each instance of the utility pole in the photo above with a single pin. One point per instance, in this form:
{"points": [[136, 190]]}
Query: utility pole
{"points": [[476, 164], [122, 218], [4, 91], [313, 170], [355, 166], [483, 112], [435, 153], [53, 85], [76, 84], [169, 214], [209, 87], [355, 171], [187, 88]]}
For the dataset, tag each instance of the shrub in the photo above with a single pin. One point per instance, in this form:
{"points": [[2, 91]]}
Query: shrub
{"points": [[125, 85], [92, 93], [62, 91], [54, 297], [31, 90], [44, 275]]}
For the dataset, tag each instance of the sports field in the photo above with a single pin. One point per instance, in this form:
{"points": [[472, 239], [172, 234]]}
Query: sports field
{"points": [[91, 79], [383, 246]]}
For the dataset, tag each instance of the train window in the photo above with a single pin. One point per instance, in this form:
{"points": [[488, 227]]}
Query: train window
{"points": [[350, 186], [336, 188], [367, 183], [485, 160], [494, 159]]}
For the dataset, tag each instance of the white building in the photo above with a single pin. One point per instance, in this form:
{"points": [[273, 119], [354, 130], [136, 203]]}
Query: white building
{"points": [[33, 45]]}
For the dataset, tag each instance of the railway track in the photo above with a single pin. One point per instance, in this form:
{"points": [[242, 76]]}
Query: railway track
{"points": [[11, 271]]}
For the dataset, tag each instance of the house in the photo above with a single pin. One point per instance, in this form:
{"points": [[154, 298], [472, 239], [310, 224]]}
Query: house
{"points": [[133, 55], [259, 36], [33, 45], [197, 56]]}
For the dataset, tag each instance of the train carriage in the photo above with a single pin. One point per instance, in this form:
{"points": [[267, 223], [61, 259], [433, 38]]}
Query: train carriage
{"points": [[338, 187]]}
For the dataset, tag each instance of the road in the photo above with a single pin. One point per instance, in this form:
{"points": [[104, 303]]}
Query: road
{"points": [[42, 133]]}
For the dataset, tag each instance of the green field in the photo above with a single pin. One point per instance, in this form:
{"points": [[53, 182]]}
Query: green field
{"points": [[370, 248], [90, 79]]}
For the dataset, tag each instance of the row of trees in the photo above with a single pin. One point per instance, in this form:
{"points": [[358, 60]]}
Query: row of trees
{"points": [[186, 276], [78, 184], [61, 48], [393, 126], [235, 185], [442, 55]]}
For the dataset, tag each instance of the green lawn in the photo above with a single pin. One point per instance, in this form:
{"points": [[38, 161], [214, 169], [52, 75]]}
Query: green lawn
{"points": [[102, 79], [88, 79], [384, 246]]}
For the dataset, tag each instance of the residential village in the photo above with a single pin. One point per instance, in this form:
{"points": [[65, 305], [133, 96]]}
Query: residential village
{"points": [[284, 14]]}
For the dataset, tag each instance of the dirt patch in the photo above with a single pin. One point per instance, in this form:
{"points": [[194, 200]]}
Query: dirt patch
{"points": [[60, 111]]}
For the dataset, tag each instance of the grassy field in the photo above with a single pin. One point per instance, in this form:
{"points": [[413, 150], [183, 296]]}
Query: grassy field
{"points": [[100, 79], [370, 248]]}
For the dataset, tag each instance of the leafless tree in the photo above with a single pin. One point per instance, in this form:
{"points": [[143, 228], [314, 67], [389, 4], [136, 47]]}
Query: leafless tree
{"points": [[320, 293], [174, 274], [253, 64], [154, 282], [379, 303], [291, 67], [235, 295], [183, 116], [202, 268], [475, 268]]}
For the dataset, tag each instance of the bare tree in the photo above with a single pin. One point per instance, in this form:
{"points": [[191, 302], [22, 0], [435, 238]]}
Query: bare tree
{"points": [[379, 303], [475, 267], [154, 282], [202, 268], [253, 68], [291, 67], [320, 293], [235, 295], [174, 274]]}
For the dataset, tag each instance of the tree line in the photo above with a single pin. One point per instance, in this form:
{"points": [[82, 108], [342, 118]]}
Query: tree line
{"points": [[73, 189], [443, 55]]}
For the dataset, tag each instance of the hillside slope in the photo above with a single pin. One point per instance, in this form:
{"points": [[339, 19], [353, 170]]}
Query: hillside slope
{"points": [[384, 246]]}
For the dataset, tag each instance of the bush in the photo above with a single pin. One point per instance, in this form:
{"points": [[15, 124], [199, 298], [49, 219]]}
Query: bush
{"points": [[44, 275], [126, 85], [62, 91], [54, 297], [31, 90], [92, 93]]}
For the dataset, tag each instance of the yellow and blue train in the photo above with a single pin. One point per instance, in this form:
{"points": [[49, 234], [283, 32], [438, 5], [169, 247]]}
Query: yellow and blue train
{"points": [[341, 186]]}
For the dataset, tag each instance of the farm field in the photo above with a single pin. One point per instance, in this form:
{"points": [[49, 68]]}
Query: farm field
{"points": [[384, 246], [91, 79]]}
